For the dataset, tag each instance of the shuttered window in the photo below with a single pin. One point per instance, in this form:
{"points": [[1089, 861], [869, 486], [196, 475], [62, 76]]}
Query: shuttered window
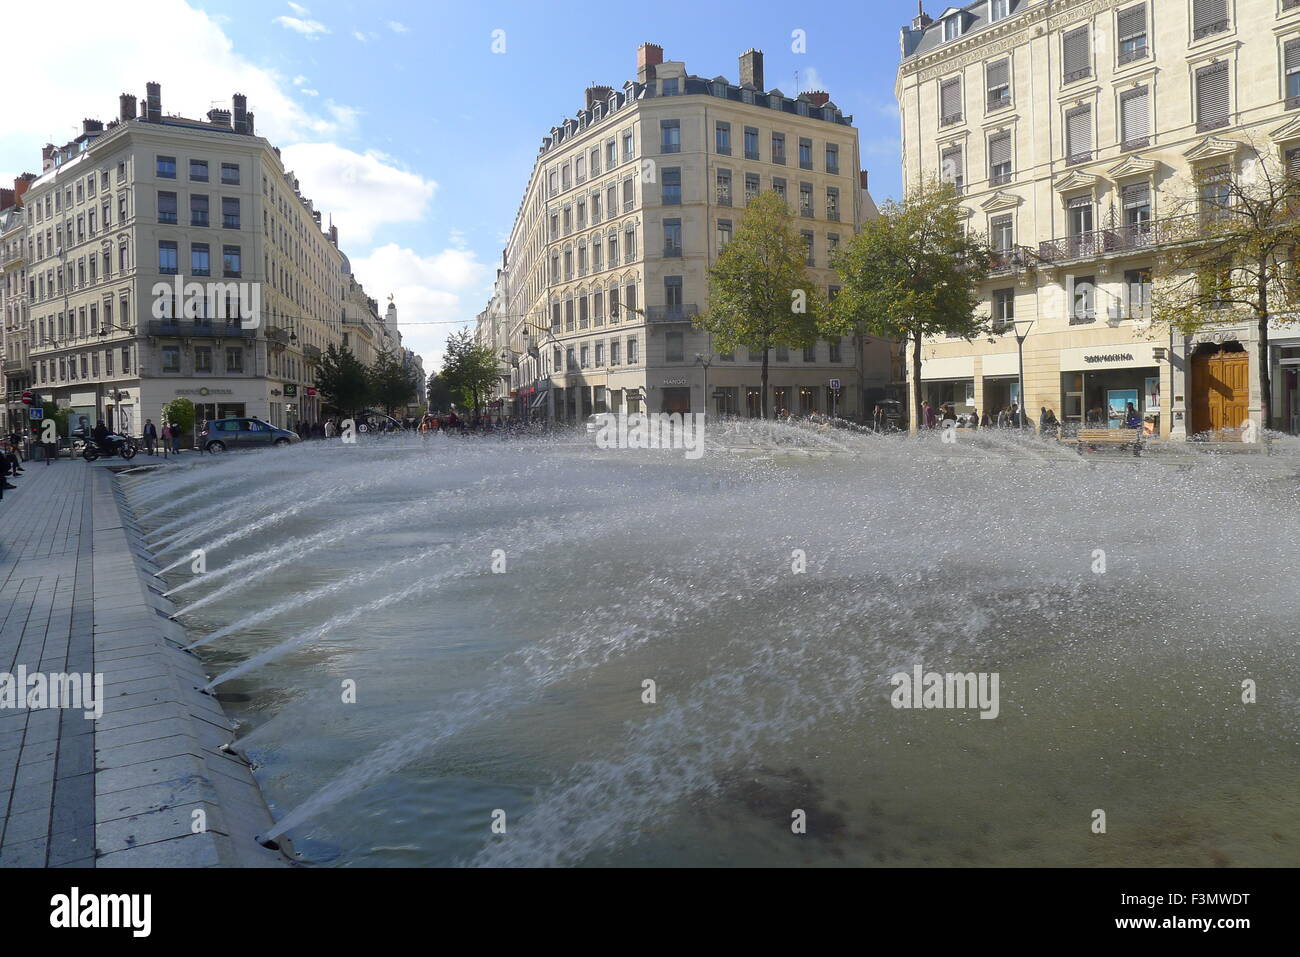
{"points": [[1135, 118], [1293, 163], [950, 101], [1209, 17], [1131, 26], [954, 169], [1078, 135], [1292, 71], [1076, 62], [1000, 159], [998, 77], [1212, 97]]}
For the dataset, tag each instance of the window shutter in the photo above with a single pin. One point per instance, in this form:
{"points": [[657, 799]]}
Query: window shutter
{"points": [[1000, 149], [953, 167], [1293, 163], [1206, 12], [950, 97], [1138, 194], [1078, 132], [999, 74], [1212, 96], [1076, 62], [1134, 116], [1293, 56], [1133, 22]]}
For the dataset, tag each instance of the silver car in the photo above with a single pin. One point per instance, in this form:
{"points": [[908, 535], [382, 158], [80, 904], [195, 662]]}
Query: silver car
{"points": [[222, 435]]}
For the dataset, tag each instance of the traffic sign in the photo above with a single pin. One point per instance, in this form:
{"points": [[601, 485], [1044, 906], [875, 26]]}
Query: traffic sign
{"points": [[36, 413], [835, 384], [27, 398]]}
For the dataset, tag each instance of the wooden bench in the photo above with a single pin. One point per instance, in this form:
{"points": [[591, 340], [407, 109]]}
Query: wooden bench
{"points": [[1121, 439]]}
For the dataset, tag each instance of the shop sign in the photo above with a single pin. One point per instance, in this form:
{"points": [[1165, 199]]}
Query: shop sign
{"points": [[205, 390], [1110, 357], [290, 389], [671, 382]]}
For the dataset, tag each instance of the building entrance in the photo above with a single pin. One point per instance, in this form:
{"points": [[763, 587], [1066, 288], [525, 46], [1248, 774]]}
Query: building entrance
{"points": [[1220, 392]]}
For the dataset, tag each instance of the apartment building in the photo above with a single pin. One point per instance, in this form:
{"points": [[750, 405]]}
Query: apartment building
{"points": [[14, 313], [363, 330], [1073, 129], [628, 204], [170, 257]]}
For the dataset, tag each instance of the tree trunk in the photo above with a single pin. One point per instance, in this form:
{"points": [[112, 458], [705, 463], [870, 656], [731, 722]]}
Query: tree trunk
{"points": [[916, 382], [1265, 375], [763, 397], [858, 343]]}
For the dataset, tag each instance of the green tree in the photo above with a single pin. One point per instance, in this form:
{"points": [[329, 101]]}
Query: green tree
{"points": [[438, 393], [760, 294], [469, 369], [180, 412], [1230, 254], [391, 384], [342, 381], [912, 273]]}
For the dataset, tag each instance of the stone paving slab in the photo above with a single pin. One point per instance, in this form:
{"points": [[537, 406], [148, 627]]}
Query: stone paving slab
{"points": [[76, 595]]}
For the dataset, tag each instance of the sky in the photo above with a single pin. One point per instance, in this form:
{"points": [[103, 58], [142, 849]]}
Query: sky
{"points": [[415, 125]]}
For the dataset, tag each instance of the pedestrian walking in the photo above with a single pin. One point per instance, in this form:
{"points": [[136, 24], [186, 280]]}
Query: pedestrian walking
{"points": [[150, 437], [175, 437]]}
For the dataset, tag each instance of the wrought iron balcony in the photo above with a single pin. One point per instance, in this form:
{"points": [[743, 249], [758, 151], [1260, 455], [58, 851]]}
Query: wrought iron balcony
{"points": [[1132, 56], [680, 313], [199, 328], [311, 352], [1011, 261], [1218, 26], [1132, 238]]}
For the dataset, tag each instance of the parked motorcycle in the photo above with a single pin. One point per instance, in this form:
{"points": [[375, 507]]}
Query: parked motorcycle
{"points": [[113, 444]]}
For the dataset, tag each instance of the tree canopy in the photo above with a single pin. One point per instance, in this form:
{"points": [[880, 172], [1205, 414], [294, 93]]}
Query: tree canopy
{"points": [[392, 384], [342, 381], [470, 370]]}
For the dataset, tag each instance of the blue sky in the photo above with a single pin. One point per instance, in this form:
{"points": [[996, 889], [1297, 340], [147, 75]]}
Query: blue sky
{"points": [[402, 122]]}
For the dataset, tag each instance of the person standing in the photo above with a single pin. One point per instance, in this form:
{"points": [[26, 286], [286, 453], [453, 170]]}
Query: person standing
{"points": [[927, 414], [150, 437], [175, 436]]}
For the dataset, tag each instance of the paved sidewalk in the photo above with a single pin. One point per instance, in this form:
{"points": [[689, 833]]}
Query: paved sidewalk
{"points": [[126, 789]]}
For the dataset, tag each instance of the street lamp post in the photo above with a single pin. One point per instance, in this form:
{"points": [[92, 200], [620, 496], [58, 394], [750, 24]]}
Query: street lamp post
{"points": [[705, 362], [1021, 328]]}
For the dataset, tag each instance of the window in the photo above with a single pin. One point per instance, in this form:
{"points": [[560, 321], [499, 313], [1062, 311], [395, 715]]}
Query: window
{"points": [[584, 313], [202, 358], [836, 347], [724, 233], [1135, 119], [631, 351], [805, 153], [751, 143], [952, 167], [1079, 217], [669, 87], [778, 148], [568, 315], [670, 136], [570, 360], [952, 28], [674, 347], [200, 260], [613, 305], [198, 171], [1209, 17], [999, 10], [629, 149], [672, 186], [1084, 296], [723, 186], [611, 156], [614, 352], [167, 207], [555, 315], [672, 237], [231, 266], [629, 244], [166, 168], [997, 78], [198, 210], [751, 186], [629, 195], [1212, 97], [950, 107], [1076, 56], [832, 158], [1215, 185], [832, 204], [598, 307], [171, 359], [805, 199], [1004, 308], [1000, 159], [1078, 135], [1002, 234], [230, 174], [722, 138], [1291, 68], [810, 354], [234, 359], [629, 299], [167, 258], [600, 354], [580, 169], [808, 247], [1131, 27]]}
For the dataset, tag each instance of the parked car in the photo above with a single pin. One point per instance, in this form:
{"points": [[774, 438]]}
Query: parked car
{"points": [[222, 435], [372, 421]]}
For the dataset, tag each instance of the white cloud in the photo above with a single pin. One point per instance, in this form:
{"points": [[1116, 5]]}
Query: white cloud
{"points": [[364, 37], [195, 67], [397, 27], [426, 289], [363, 191], [298, 8], [308, 28]]}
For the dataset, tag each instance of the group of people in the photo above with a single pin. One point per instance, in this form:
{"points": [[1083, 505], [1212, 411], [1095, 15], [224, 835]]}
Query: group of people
{"points": [[1012, 416], [170, 435], [11, 459]]}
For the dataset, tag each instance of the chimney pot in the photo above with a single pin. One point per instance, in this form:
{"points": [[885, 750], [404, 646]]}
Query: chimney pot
{"points": [[818, 97], [648, 56], [153, 102], [862, 179], [751, 69], [126, 107], [240, 104]]}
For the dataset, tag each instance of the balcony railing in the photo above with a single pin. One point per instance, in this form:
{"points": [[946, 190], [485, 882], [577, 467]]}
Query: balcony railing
{"points": [[188, 328], [680, 313], [277, 336], [1074, 75], [950, 119], [1218, 26], [311, 353], [998, 101], [1204, 126], [1134, 237], [1010, 261], [1074, 159], [1132, 56], [1137, 144]]}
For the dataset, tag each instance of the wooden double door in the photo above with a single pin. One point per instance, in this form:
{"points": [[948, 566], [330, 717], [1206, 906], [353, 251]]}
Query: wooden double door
{"points": [[1220, 391]]}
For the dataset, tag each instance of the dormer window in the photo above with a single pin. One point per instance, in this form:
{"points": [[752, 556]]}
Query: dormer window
{"points": [[669, 87], [951, 28], [999, 10]]}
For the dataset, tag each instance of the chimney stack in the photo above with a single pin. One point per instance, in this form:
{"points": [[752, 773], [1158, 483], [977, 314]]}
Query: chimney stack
{"points": [[923, 19], [751, 69], [648, 56], [153, 102], [126, 107], [818, 97], [597, 94], [240, 103], [219, 118], [249, 119], [91, 126], [47, 156], [862, 179]]}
